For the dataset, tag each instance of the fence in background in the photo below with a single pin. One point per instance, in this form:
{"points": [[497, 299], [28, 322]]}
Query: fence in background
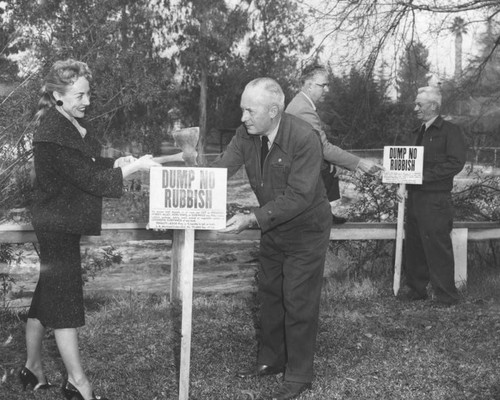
{"points": [[462, 233]]}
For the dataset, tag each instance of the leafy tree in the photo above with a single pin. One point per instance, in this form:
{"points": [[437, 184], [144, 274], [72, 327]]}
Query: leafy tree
{"points": [[483, 74], [218, 52], [359, 114], [131, 89], [8, 46], [274, 47], [278, 42], [227, 94], [117, 40], [209, 31], [412, 72], [458, 28], [372, 28]]}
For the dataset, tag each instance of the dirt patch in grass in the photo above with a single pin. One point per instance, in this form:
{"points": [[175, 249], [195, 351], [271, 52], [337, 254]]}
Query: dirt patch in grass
{"points": [[219, 267]]}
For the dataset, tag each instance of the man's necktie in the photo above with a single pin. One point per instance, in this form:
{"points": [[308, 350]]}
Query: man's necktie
{"points": [[263, 150], [420, 136]]}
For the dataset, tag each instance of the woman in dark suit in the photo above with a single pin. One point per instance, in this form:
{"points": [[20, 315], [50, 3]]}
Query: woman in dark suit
{"points": [[71, 180]]}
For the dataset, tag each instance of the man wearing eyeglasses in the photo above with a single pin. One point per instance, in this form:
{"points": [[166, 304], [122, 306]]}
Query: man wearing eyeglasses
{"points": [[315, 86]]}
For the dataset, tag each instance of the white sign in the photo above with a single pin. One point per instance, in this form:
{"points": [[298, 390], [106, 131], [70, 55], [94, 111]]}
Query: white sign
{"points": [[187, 198], [403, 164]]}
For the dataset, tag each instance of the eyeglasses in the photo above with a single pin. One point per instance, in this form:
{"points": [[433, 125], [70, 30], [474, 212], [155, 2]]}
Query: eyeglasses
{"points": [[323, 85]]}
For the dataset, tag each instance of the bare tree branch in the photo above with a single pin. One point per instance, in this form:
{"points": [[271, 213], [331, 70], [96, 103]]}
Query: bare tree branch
{"points": [[370, 27]]}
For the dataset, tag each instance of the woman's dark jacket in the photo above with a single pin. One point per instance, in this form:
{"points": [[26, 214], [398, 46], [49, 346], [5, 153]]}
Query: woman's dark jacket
{"points": [[71, 178]]}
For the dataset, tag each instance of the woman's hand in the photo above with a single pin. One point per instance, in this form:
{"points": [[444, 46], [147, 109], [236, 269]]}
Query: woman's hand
{"points": [[120, 162], [169, 158], [143, 163]]}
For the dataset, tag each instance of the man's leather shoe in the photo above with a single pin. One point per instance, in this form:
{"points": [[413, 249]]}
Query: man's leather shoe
{"points": [[290, 390], [338, 220], [260, 370]]}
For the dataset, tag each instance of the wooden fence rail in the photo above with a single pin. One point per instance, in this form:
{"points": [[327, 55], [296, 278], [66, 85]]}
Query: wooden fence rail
{"points": [[120, 232]]}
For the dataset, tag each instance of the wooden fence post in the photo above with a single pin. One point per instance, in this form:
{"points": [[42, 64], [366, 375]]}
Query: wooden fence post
{"points": [[459, 240]]}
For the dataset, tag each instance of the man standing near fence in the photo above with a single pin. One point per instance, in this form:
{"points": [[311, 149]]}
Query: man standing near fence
{"points": [[282, 157], [315, 84], [429, 220]]}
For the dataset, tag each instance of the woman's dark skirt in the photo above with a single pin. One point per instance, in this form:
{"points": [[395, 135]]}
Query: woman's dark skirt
{"points": [[58, 299]]}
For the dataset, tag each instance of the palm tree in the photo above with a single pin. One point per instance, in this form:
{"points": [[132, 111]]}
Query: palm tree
{"points": [[458, 28]]}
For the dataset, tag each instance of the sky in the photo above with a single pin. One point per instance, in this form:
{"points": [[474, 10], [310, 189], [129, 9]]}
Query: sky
{"points": [[431, 29]]}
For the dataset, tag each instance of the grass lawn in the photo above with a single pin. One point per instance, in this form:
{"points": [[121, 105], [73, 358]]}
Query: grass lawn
{"points": [[370, 346]]}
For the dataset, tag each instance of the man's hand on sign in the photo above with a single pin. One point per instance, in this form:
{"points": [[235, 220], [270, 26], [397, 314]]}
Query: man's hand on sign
{"points": [[369, 167], [239, 222]]}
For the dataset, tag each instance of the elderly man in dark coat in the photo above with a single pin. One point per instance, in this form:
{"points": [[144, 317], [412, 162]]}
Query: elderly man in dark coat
{"points": [[428, 247], [282, 158]]}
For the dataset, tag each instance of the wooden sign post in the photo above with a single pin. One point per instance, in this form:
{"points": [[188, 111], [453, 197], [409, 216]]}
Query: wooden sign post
{"points": [[183, 258], [399, 242], [186, 199], [403, 165]]}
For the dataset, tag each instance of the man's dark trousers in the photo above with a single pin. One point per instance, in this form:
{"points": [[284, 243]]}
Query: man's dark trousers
{"points": [[290, 279], [428, 245]]}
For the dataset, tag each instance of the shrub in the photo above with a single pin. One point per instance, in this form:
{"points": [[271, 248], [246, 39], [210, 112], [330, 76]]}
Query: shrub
{"points": [[133, 206], [476, 200], [8, 256], [94, 261], [16, 186], [479, 200], [376, 201]]}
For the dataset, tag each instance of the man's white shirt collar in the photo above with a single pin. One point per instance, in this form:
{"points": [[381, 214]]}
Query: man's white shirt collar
{"points": [[273, 134], [310, 101], [430, 122]]}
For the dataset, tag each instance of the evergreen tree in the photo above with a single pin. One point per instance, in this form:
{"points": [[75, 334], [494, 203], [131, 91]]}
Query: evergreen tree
{"points": [[458, 28], [209, 31], [412, 72], [8, 46], [118, 41], [480, 92], [484, 71], [359, 114], [277, 43], [274, 43]]}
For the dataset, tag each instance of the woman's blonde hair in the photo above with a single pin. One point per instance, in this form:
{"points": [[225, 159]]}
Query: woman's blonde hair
{"points": [[63, 74]]}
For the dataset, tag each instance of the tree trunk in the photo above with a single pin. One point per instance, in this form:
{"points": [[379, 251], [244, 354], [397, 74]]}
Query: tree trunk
{"points": [[203, 96], [458, 56]]}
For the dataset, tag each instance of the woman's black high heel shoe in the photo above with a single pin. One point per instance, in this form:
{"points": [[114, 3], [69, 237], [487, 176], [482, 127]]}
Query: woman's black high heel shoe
{"points": [[72, 393], [28, 378]]}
